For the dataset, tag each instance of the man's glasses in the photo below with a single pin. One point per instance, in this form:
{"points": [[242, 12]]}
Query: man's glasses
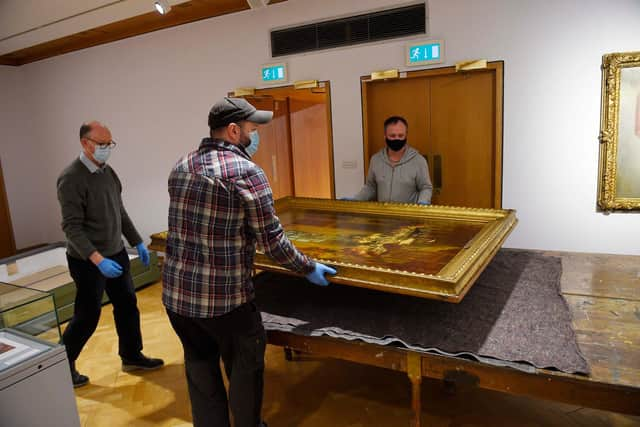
{"points": [[110, 144]]}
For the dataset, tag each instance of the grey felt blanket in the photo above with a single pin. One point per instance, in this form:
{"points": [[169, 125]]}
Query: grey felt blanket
{"points": [[514, 315]]}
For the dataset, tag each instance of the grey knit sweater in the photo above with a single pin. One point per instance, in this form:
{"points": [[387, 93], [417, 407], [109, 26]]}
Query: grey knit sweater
{"points": [[405, 182], [93, 216]]}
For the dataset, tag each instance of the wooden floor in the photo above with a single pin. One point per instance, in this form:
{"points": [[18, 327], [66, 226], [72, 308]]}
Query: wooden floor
{"points": [[317, 392]]}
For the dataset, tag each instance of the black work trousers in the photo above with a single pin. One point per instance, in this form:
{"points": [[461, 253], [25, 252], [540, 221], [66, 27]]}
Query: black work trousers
{"points": [[239, 338], [90, 287]]}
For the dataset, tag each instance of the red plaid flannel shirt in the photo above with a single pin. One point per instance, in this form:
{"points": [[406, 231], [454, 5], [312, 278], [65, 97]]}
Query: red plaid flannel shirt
{"points": [[221, 205]]}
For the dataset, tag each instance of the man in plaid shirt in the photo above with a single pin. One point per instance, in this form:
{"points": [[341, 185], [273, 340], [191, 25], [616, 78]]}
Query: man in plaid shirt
{"points": [[221, 206]]}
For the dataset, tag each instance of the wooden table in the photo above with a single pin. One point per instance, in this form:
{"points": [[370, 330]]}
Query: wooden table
{"points": [[603, 293]]}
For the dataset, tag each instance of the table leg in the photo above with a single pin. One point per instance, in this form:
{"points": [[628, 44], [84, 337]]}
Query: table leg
{"points": [[414, 371], [288, 354]]}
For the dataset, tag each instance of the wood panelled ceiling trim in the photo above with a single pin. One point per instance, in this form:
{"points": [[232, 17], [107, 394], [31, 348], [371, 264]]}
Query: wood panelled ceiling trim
{"points": [[182, 13]]}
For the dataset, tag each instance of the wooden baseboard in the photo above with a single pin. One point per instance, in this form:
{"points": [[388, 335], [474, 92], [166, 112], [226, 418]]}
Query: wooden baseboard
{"points": [[30, 248]]}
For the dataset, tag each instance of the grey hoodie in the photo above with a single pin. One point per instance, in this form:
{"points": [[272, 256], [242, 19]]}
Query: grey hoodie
{"points": [[406, 182]]}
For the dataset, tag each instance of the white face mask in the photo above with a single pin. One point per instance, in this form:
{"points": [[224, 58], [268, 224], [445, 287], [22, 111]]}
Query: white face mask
{"points": [[252, 148], [101, 154]]}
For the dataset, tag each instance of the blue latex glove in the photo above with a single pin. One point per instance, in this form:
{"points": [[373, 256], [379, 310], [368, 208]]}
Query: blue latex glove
{"points": [[317, 275], [143, 253], [109, 268]]}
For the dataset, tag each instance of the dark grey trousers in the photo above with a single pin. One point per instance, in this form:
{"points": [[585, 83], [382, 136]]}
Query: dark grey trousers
{"points": [[90, 286], [239, 338]]}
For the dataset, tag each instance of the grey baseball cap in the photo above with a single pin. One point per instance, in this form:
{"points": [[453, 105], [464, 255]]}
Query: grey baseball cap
{"points": [[234, 110]]}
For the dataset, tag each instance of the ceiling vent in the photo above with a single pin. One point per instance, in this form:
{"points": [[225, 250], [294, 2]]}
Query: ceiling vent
{"points": [[352, 30]]}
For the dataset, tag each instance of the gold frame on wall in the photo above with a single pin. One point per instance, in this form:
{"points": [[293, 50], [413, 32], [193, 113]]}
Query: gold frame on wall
{"points": [[322, 227], [618, 187]]}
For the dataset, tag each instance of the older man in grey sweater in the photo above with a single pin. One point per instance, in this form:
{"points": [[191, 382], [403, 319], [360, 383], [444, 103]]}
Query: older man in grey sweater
{"points": [[397, 173], [94, 220]]}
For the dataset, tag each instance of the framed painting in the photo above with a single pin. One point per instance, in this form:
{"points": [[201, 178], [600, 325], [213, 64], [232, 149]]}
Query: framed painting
{"points": [[432, 252], [425, 251], [619, 169]]}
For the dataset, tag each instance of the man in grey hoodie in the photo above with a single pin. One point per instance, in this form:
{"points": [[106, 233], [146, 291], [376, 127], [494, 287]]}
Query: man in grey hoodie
{"points": [[397, 173]]}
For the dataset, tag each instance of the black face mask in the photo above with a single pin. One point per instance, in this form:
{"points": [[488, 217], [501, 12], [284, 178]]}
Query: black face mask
{"points": [[395, 144]]}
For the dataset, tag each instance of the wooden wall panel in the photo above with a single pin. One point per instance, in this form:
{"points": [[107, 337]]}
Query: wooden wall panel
{"points": [[7, 241]]}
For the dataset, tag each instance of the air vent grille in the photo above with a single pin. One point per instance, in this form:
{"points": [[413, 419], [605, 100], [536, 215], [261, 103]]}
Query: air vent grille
{"points": [[368, 27]]}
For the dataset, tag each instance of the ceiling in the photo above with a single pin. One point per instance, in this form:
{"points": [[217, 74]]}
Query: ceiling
{"points": [[31, 30]]}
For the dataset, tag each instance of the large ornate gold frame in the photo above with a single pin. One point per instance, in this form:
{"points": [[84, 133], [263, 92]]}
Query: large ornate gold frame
{"points": [[451, 283], [612, 64]]}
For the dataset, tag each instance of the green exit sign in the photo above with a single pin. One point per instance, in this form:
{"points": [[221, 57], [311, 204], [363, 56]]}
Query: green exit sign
{"points": [[424, 53], [274, 73]]}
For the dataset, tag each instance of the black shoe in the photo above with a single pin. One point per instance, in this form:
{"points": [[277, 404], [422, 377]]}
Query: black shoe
{"points": [[262, 424], [141, 362], [78, 379]]}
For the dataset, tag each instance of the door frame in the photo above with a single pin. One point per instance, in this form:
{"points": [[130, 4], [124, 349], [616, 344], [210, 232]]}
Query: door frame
{"points": [[280, 91], [497, 67], [4, 201]]}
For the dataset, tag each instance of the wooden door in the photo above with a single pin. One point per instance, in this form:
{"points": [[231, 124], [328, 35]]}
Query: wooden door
{"points": [[407, 98], [274, 152], [311, 144], [7, 242], [300, 161], [455, 121], [283, 163], [461, 147]]}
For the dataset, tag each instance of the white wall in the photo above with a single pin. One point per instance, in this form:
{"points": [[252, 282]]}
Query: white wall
{"points": [[154, 91], [22, 166]]}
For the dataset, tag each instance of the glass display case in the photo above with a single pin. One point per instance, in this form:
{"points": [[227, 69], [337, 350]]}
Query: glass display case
{"points": [[35, 382], [16, 348], [45, 269], [30, 311]]}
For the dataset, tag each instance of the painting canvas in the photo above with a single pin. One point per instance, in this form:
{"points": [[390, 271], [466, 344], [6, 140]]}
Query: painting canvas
{"points": [[4, 347], [402, 244], [619, 183], [628, 158]]}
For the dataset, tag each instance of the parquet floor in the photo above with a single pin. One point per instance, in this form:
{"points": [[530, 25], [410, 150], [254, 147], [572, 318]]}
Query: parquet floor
{"points": [[311, 392]]}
